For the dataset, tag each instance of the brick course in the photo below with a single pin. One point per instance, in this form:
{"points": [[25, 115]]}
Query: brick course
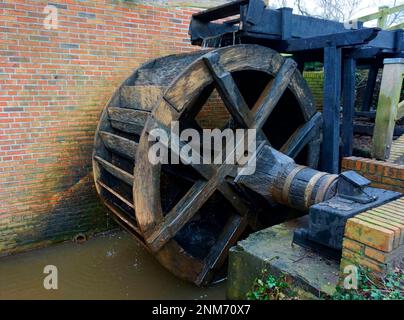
{"points": [[375, 238], [53, 86], [382, 174]]}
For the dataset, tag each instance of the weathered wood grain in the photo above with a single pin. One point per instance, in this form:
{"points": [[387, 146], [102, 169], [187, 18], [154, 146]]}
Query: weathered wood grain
{"points": [[127, 120], [115, 171], [120, 145]]}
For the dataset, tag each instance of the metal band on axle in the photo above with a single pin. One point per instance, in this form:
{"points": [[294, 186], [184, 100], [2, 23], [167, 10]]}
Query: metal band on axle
{"points": [[325, 187], [310, 186], [288, 182]]}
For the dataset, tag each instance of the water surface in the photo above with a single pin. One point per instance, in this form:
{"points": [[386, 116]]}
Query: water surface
{"points": [[112, 266]]}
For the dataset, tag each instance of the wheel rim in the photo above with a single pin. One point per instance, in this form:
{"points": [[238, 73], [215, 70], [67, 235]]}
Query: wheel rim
{"points": [[182, 100]]}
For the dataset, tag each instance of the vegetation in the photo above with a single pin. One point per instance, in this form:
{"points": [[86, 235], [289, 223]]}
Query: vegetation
{"points": [[270, 287], [389, 287]]}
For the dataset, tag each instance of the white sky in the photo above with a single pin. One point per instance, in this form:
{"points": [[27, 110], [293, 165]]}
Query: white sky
{"points": [[367, 7]]}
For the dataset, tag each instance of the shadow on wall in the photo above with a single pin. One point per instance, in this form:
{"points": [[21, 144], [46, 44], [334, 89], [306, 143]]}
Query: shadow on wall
{"points": [[64, 202], [74, 211]]}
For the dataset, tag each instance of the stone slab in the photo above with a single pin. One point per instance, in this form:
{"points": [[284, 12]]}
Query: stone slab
{"points": [[310, 274]]}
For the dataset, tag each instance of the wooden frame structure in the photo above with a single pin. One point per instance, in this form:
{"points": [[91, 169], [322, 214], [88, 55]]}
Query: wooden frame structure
{"points": [[389, 107], [308, 39]]}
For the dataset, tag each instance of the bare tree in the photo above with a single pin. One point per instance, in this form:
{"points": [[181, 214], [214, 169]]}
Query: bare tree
{"points": [[338, 10], [395, 18]]}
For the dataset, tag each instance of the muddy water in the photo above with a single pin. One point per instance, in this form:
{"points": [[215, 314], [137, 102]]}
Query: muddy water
{"points": [[113, 266]]}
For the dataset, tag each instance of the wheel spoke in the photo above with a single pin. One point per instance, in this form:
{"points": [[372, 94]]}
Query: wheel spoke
{"points": [[183, 211], [216, 257], [186, 208], [229, 91], [175, 145], [273, 92], [302, 136], [207, 171]]}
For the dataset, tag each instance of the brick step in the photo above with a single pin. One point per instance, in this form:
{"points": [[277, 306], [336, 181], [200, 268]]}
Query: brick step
{"points": [[375, 238]]}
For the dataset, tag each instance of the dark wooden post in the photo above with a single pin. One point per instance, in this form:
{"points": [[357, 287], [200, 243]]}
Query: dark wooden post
{"points": [[331, 109], [370, 88], [286, 23], [349, 105]]}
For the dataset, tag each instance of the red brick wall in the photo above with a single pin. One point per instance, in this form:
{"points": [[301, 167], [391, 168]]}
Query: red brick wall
{"points": [[382, 174], [53, 86]]}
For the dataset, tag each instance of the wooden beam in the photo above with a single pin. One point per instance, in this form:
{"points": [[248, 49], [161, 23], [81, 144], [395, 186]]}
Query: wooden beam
{"points": [[385, 10], [348, 38], [302, 136], [207, 172], [349, 77], [274, 92], [331, 109], [183, 211], [370, 87], [396, 27], [216, 257], [387, 107], [229, 91]]}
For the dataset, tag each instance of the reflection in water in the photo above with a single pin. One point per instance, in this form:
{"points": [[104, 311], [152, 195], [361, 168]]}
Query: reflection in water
{"points": [[113, 266]]}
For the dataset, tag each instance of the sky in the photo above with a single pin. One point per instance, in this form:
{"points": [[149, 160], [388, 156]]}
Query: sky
{"points": [[366, 7]]}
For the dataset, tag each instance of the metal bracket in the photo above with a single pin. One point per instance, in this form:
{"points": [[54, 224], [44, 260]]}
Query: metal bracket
{"points": [[351, 186]]}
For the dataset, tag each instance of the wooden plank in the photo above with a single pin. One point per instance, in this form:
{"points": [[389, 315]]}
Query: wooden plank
{"points": [[115, 171], [116, 194], [140, 97], [120, 145], [387, 106], [302, 136], [331, 109], [128, 120], [274, 92], [218, 253], [349, 77]]}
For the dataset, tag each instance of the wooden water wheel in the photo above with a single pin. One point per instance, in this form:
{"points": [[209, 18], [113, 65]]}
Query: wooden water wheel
{"points": [[189, 215]]}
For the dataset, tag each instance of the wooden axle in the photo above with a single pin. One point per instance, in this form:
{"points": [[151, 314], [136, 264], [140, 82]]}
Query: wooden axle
{"points": [[300, 187], [280, 180]]}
